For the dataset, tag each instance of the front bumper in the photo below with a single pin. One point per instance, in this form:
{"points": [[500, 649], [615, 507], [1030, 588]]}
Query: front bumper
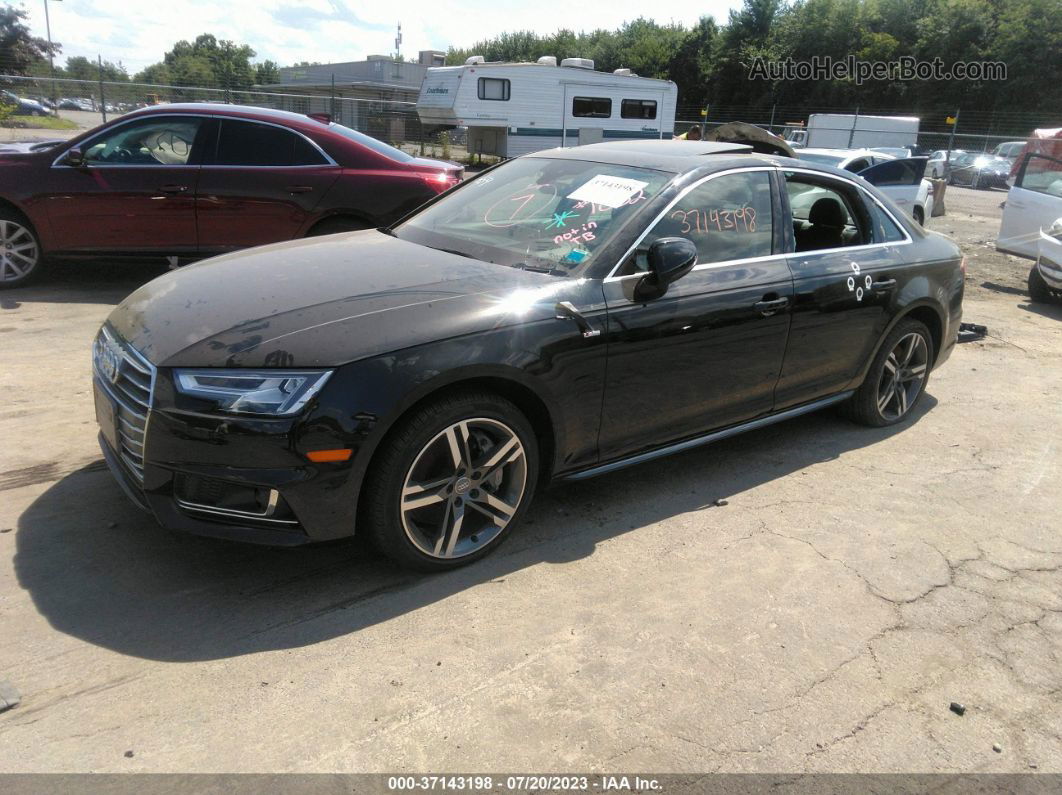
{"points": [[1049, 261], [241, 479]]}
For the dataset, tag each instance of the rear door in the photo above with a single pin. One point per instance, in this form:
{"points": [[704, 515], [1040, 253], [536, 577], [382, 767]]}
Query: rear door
{"points": [[135, 192], [845, 270], [1032, 204], [260, 185], [900, 180]]}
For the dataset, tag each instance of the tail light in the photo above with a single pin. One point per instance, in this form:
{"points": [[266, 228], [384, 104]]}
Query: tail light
{"points": [[441, 180]]}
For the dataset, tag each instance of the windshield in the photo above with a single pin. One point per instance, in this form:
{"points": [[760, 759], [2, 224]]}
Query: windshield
{"points": [[829, 160], [536, 213], [368, 141]]}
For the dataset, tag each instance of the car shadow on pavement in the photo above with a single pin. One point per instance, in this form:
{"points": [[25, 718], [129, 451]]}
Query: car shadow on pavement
{"points": [[85, 282], [100, 570], [1053, 311]]}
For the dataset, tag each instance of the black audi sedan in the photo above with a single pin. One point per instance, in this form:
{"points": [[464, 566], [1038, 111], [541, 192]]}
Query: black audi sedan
{"points": [[560, 316]]}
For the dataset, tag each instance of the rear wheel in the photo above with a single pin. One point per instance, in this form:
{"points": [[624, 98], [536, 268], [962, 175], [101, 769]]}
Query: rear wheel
{"points": [[897, 377], [1039, 292], [451, 483], [20, 251]]}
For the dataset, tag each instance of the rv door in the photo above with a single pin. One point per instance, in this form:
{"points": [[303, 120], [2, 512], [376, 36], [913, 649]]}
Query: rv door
{"points": [[1032, 204]]}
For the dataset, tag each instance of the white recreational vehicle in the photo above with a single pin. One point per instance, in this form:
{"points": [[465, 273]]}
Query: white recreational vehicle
{"points": [[511, 109]]}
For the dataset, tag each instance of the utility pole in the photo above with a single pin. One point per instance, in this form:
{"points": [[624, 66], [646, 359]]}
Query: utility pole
{"points": [[398, 43], [51, 58]]}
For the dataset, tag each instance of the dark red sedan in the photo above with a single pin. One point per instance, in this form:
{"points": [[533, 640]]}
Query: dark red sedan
{"points": [[190, 181]]}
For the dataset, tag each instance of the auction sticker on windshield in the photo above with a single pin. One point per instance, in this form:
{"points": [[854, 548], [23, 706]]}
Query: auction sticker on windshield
{"points": [[607, 191]]}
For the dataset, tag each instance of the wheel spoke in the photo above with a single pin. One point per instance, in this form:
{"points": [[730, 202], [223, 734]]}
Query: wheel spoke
{"points": [[451, 529], [457, 439], [901, 398], [502, 511], [891, 365], [913, 340], [420, 495], [885, 399], [915, 372], [502, 455]]}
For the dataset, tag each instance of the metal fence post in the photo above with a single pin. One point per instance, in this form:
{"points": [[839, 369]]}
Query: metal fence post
{"points": [[771, 125], [103, 99], [951, 142]]}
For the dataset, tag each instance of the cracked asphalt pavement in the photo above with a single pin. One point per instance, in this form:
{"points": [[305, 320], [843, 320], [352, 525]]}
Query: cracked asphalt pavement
{"points": [[856, 582]]}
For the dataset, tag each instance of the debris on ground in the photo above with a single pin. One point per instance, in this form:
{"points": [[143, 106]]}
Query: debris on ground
{"points": [[957, 708], [971, 332], [9, 696], [720, 503], [997, 748]]}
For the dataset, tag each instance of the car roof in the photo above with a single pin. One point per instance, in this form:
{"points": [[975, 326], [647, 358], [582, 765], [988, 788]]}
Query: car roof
{"points": [[245, 111]]}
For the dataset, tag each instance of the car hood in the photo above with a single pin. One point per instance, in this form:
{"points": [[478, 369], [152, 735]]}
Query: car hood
{"points": [[322, 302]]}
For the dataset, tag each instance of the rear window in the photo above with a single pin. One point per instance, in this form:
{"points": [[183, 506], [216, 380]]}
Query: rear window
{"points": [[371, 143], [248, 143]]}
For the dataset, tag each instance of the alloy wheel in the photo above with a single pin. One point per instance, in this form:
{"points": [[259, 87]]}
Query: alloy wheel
{"points": [[902, 376], [19, 251], [463, 488]]}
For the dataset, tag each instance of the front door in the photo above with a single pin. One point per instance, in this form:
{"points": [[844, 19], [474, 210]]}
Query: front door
{"points": [[261, 185], [707, 353], [135, 192], [1034, 203], [844, 267]]}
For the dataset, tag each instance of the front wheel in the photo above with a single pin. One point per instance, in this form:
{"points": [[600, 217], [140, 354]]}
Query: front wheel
{"points": [[20, 251], [897, 377], [452, 481], [1039, 292]]}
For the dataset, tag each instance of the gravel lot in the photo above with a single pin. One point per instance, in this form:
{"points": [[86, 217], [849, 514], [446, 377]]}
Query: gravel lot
{"points": [[856, 583]]}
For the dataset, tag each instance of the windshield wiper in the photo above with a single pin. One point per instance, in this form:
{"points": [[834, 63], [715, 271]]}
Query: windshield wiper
{"points": [[523, 266]]}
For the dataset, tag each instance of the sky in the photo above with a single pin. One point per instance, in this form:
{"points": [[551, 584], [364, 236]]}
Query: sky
{"points": [[288, 31]]}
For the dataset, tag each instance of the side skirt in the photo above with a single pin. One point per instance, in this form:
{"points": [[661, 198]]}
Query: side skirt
{"points": [[714, 436]]}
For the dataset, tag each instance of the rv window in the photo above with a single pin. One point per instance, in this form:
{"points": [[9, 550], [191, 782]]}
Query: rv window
{"points": [[592, 107], [638, 109], [494, 88]]}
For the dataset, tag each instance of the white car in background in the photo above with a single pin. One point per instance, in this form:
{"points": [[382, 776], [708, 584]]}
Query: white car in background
{"points": [[1032, 216], [901, 179]]}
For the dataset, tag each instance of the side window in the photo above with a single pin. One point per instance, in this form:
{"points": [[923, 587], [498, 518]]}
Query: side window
{"points": [[727, 218], [156, 141], [592, 107], [247, 143], [638, 109], [823, 215], [493, 88], [884, 229], [857, 165], [1042, 174]]}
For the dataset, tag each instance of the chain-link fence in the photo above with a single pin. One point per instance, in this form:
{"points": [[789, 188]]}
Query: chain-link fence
{"points": [[973, 130], [83, 104]]}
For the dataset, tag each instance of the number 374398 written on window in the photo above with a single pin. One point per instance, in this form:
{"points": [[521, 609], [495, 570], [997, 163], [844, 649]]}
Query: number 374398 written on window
{"points": [[701, 222]]}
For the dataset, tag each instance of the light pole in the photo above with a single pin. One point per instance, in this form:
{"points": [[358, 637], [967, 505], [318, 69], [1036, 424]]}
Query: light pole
{"points": [[51, 58]]}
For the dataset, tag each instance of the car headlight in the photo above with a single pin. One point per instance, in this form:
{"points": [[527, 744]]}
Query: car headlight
{"points": [[1055, 230], [277, 392]]}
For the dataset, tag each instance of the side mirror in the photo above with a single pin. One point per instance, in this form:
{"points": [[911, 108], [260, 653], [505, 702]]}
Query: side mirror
{"points": [[670, 258], [73, 157]]}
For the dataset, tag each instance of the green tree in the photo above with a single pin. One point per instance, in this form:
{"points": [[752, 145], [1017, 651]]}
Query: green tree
{"points": [[266, 73], [19, 50]]}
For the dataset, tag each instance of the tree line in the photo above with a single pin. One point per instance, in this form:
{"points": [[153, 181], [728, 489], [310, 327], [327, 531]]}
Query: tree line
{"points": [[711, 62]]}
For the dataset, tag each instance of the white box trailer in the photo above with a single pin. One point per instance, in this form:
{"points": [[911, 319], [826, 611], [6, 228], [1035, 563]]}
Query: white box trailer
{"points": [[511, 109], [851, 131]]}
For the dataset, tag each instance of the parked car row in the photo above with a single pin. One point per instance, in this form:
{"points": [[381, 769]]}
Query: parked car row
{"points": [[190, 181], [23, 105]]}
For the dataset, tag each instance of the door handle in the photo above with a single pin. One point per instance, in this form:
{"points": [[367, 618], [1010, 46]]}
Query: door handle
{"points": [[299, 188], [173, 188], [768, 307], [884, 284]]}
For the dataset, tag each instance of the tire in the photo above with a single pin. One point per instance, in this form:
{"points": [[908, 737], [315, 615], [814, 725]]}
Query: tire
{"points": [[465, 488], [880, 401], [919, 215], [975, 183], [332, 226], [1039, 292], [20, 250]]}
